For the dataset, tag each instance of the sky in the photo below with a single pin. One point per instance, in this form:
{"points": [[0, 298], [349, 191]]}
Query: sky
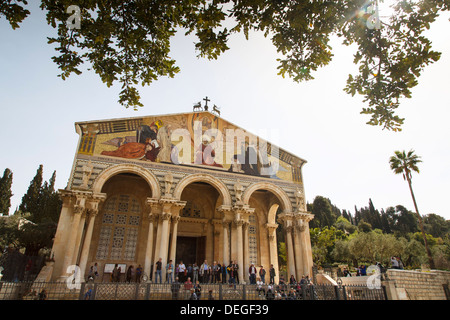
{"points": [[347, 160]]}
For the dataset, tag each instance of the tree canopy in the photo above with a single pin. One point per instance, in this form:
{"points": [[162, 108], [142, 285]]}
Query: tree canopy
{"points": [[370, 235], [33, 224], [129, 41]]}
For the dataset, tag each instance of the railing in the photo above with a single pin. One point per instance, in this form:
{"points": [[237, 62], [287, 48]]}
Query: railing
{"points": [[153, 291]]}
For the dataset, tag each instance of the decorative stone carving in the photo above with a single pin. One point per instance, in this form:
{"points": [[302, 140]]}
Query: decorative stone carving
{"points": [[165, 216], [239, 222], [238, 189], [93, 204], [168, 180], [80, 204], [87, 172], [299, 199]]}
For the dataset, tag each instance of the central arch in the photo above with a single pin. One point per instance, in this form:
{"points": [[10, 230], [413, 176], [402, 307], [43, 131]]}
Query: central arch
{"points": [[200, 177]]}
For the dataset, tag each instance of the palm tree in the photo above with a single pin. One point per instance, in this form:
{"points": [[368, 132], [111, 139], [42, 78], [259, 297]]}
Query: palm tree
{"points": [[405, 163]]}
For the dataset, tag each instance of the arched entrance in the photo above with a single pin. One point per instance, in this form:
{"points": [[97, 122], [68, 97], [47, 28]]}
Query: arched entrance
{"points": [[263, 232], [196, 238], [200, 224], [120, 232]]}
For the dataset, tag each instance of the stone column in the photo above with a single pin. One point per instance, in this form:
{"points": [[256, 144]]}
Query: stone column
{"points": [[217, 232], [173, 244], [62, 232], [175, 214], [308, 251], [164, 242], [226, 242], [226, 220], [246, 251], [290, 252], [298, 253], [304, 253], [153, 211], [87, 242], [91, 213], [78, 211], [240, 252], [79, 238], [287, 220], [306, 244], [163, 250], [158, 221], [271, 228], [149, 249]]}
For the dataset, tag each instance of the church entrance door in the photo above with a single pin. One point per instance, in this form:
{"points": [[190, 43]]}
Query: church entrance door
{"points": [[190, 250]]}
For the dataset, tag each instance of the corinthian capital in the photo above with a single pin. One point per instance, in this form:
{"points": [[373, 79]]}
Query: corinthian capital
{"points": [[239, 222], [165, 216]]}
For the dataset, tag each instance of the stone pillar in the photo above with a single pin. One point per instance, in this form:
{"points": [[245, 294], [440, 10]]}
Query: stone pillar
{"points": [[166, 214], [158, 222], [290, 252], [226, 222], [304, 253], [240, 218], [78, 211], [246, 251], [62, 233], [91, 212], [217, 232], [308, 250], [298, 253], [163, 249], [87, 243], [149, 249], [287, 220], [173, 244], [271, 228], [153, 209], [79, 238], [226, 242], [306, 243], [240, 252], [176, 208]]}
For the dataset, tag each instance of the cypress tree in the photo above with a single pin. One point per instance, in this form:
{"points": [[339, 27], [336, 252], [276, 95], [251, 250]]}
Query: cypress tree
{"points": [[375, 218], [357, 216], [50, 204], [30, 200], [44, 205], [5, 191]]}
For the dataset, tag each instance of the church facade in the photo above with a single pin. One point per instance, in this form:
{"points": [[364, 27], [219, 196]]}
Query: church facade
{"points": [[183, 187]]}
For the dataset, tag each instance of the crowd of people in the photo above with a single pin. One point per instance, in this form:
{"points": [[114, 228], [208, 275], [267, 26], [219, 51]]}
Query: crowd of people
{"points": [[396, 263], [291, 290], [189, 279], [209, 273], [192, 277]]}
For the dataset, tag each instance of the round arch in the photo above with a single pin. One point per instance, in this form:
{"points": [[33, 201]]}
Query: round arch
{"points": [[199, 177], [106, 174], [277, 191]]}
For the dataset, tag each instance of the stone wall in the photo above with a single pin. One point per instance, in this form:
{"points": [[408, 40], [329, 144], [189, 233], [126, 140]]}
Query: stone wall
{"points": [[401, 284], [419, 285]]}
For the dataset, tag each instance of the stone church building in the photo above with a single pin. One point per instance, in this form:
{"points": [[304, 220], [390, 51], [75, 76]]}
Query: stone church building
{"points": [[183, 187]]}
